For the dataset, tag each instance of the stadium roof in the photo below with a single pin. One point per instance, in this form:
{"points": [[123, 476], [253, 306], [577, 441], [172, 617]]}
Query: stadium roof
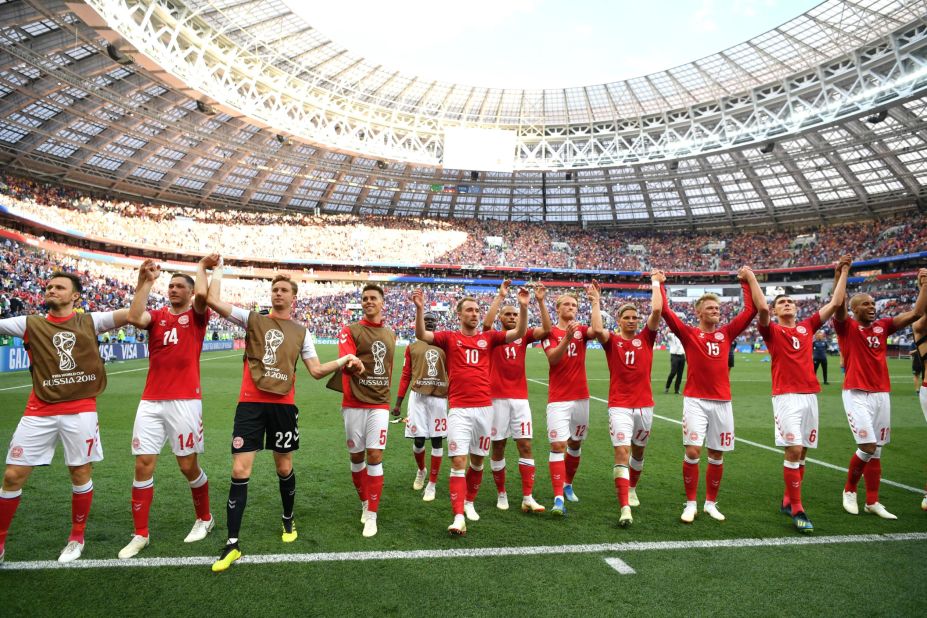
{"points": [[242, 102]]}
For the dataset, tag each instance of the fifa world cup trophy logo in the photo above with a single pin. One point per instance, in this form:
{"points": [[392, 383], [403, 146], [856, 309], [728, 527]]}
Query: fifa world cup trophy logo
{"points": [[431, 357], [272, 340], [379, 353], [64, 343]]}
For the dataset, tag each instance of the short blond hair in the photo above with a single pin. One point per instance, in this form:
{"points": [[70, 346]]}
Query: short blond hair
{"points": [[461, 302], [705, 297], [566, 295], [625, 307]]}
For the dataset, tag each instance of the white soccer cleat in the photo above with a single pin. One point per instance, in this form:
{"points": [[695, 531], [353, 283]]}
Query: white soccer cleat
{"points": [[879, 509], [137, 544], [370, 526], [689, 513], [200, 529], [924, 503], [530, 505], [459, 526], [419, 481], [625, 519], [849, 503], [364, 512], [470, 511], [502, 502], [429, 494], [712, 509], [71, 551], [632, 497]]}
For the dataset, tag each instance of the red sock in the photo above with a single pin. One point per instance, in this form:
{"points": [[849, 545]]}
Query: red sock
{"points": [[435, 468], [690, 479], [557, 472], [474, 478], [498, 477], [792, 477], [419, 458], [527, 478], [854, 473], [713, 481], [457, 487], [373, 490], [8, 508], [635, 476], [621, 488], [572, 464], [801, 471], [141, 506], [80, 510], [873, 476], [201, 501], [360, 483]]}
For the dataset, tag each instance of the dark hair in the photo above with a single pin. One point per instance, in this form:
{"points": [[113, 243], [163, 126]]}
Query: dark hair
{"points": [[778, 296], [75, 280], [282, 277], [185, 277], [375, 288]]}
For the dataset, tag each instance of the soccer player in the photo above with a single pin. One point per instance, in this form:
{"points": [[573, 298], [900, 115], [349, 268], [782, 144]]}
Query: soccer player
{"points": [[866, 387], [425, 370], [794, 385], [171, 408], [629, 354], [819, 353], [67, 376], [365, 400], [509, 389], [707, 414], [468, 422], [677, 362], [920, 350], [266, 415], [567, 399]]}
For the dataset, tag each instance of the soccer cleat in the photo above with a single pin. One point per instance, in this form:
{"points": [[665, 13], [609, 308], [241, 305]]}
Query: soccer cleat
{"points": [[459, 526], [395, 420], [364, 512], [689, 513], [802, 523], [229, 554], [625, 519], [502, 501], [785, 509], [370, 526], [569, 494], [632, 497], [429, 494], [880, 510], [137, 544], [712, 509], [559, 508], [470, 511], [289, 530], [71, 551], [419, 481], [200, 529], [2, 555], [924, 503], [530, 505], [849, 503]]}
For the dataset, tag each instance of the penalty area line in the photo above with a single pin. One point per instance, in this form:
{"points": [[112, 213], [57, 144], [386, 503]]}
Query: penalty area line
{"points": [[479, 552]]}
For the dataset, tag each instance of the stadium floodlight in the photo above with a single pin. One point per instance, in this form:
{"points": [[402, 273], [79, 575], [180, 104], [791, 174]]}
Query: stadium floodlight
{"points": [[205, 108], [117, 56], [768, 147], [878, 117]]}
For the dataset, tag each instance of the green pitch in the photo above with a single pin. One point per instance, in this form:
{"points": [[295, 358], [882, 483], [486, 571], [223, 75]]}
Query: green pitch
{"points": [[867, 575]]}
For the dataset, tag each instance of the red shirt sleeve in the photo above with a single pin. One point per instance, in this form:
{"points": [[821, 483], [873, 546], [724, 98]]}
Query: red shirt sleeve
{"points": [[841, 326], [742, 319], [497, 338], [813, 322], [650, 336], [346, 344], [671, 319], [406, 378], [888, 324], [441, 339]]}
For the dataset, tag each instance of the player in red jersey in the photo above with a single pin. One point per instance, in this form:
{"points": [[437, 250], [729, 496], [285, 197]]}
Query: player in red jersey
{"points": [[629, 354], [266, 415], [707, 415], [920, 348], [794, 384], [567, 399], [509, 389], [866, 387], [171, 409], [468, 353], [67, 376]]}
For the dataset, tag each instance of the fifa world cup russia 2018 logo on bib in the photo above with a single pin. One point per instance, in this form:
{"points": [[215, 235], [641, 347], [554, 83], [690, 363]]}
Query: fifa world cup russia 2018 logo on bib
{"points": [[272, 340], [431, 357], [378, 349], [64, 344]]}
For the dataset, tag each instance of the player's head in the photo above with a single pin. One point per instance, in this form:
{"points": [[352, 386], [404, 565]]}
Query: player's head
{"points": [[372, 301], [180, 290], [784, 307], [628, 318], [820, 336], [567, 306], [863, 307], [283, 292], [62, 290], [468, 312], [431, 321], [708, 309], [508, 317]]}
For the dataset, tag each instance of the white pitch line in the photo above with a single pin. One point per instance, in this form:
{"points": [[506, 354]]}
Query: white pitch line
{"points": [[620, 565], [765, 447], [479, 552]]}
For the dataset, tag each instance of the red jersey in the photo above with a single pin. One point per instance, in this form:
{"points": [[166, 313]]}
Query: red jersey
{"points": [[629, 363], [175, 342], [706, 353], [864, 352], [790, 349], [468, 365], [568, 377], [347, 345], [507, 372]]}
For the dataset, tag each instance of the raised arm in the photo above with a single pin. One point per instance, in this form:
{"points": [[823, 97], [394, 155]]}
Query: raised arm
{"points": [[495, 305], [752, 291], [920, 305], [540, 295], [596, 326], [657, 279], [841, 312], [838, 296], [521, 327], [201, 283], [669, 316], [214, 293], [148, 273], [418, 298]]}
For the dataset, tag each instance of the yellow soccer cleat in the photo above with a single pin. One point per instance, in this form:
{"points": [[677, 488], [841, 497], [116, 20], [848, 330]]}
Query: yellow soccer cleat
{"points": [[230, 554], [289, 530]]}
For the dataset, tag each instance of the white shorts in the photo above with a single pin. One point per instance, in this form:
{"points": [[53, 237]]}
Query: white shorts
{"points": [[709, 422], [568, 420], [630, 425], [34, 440], [511, 418], [923, 397], [178, 421], [468, 431], [427, 416], [365, 428], [869, 415], [796, 417]]}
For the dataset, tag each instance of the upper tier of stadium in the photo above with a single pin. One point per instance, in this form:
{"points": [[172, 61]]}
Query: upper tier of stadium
{"points": [[241, 103]]}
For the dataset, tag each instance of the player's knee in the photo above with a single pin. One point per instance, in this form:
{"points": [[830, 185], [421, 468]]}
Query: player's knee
{"points": [[793, 453], [622, 455], [558, 447], [144, 468], [420, 442], [14, 477], [498, 449], [374, 456], [524, 447], [80, 475], [459, 462], [435, 442], [189, 467], [693, 452], [867, 448], [357, 457]]}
